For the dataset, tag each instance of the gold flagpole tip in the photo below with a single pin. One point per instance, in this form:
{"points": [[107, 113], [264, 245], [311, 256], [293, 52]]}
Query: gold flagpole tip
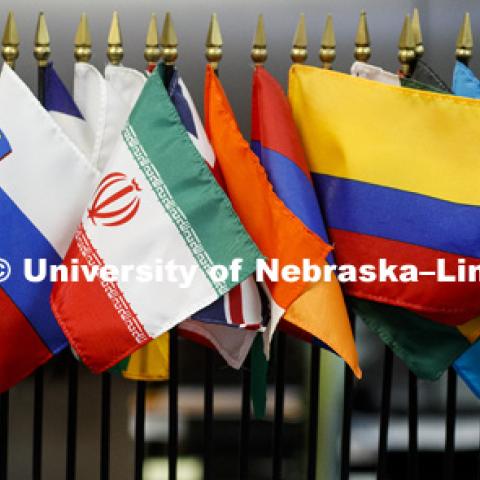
{"points": [[362, 50], [259, 51], [115, 46], [417, 34], [83, 41], [10, 41], [464, 48], [152, 52], [299, 52], [214, 43], [327, 51], [41, 50], [169, 41], [406, 47]]}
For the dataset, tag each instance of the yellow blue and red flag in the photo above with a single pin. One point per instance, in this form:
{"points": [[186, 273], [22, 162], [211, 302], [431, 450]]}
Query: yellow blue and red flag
{"points": [[391, 184]]}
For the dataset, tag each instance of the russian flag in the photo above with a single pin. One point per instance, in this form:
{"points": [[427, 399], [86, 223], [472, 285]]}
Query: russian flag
{"points": [[5, 148], [45, 184]]}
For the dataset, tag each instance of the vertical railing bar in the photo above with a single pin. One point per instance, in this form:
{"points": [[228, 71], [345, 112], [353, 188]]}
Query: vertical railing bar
{"points": [[449, 468], [412, 426], [245, 420], [385, 414], [173, 407], [37, 424], [140, 429], [38, 387], [347, 415], [313, 407], [4, 415], [105, 427], [279, 407], [72, 417], [208, 415]]}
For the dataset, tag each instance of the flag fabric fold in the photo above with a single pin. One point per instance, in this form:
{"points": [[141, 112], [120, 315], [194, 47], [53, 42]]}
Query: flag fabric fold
{"points": [[320, 311], [228, 324], [279, 234], [156, 200], [379, 205], [45, 184]]}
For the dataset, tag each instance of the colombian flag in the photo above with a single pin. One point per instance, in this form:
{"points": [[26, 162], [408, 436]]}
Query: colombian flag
{"points": [[387, 170], [321, 310]]}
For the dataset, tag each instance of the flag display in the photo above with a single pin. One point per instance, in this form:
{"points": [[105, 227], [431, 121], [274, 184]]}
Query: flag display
{"points": [[45, 184], [380, 205], [321, 310], [278, 233], [170, 208]]}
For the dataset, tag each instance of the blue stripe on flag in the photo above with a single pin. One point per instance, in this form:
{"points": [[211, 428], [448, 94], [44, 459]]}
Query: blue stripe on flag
{"points": [[57, 97], [399, 215], [20, 239], [181, 104], [293, 188], [5, 148], [214, 313]]}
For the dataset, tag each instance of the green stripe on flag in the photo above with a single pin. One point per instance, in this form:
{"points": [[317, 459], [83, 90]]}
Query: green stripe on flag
{"points": [[427, 348], [185, 187]]}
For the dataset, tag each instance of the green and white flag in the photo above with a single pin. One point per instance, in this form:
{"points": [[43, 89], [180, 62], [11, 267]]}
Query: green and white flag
{"points": [[156, 226]]}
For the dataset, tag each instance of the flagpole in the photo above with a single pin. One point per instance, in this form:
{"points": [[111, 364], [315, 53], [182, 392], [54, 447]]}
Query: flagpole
{"points": [[213, 54], [115, 44], [152, 52], [41, 52], [464, 46], [406, 48], [169, 44], [10, 53], [327, 52]]}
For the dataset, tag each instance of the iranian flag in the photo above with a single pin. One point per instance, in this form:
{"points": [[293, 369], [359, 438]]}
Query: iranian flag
{"points": [[157, 203]]}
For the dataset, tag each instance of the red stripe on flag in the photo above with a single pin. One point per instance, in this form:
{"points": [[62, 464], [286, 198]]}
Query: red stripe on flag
{"points": [[235, 302], [450, 303], [103, 335], [21, 349]]}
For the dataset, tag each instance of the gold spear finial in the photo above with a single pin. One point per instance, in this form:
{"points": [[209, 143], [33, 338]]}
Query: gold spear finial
{"points": [[362, 50], [152, 52], [214, 43], [464, 48], [406, 47], [327, 51], [417, 34], [83, 41], [259, 51], [41, 49], [299, 52], [115, 47], [169, 41], [10, 41]]}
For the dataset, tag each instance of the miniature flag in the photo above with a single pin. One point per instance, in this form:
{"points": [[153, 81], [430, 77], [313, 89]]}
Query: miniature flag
{"points": [[384, 197], [320, 311], [427, 348], [45, 184], [156, 203], [280, 235], [107, 102]]}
